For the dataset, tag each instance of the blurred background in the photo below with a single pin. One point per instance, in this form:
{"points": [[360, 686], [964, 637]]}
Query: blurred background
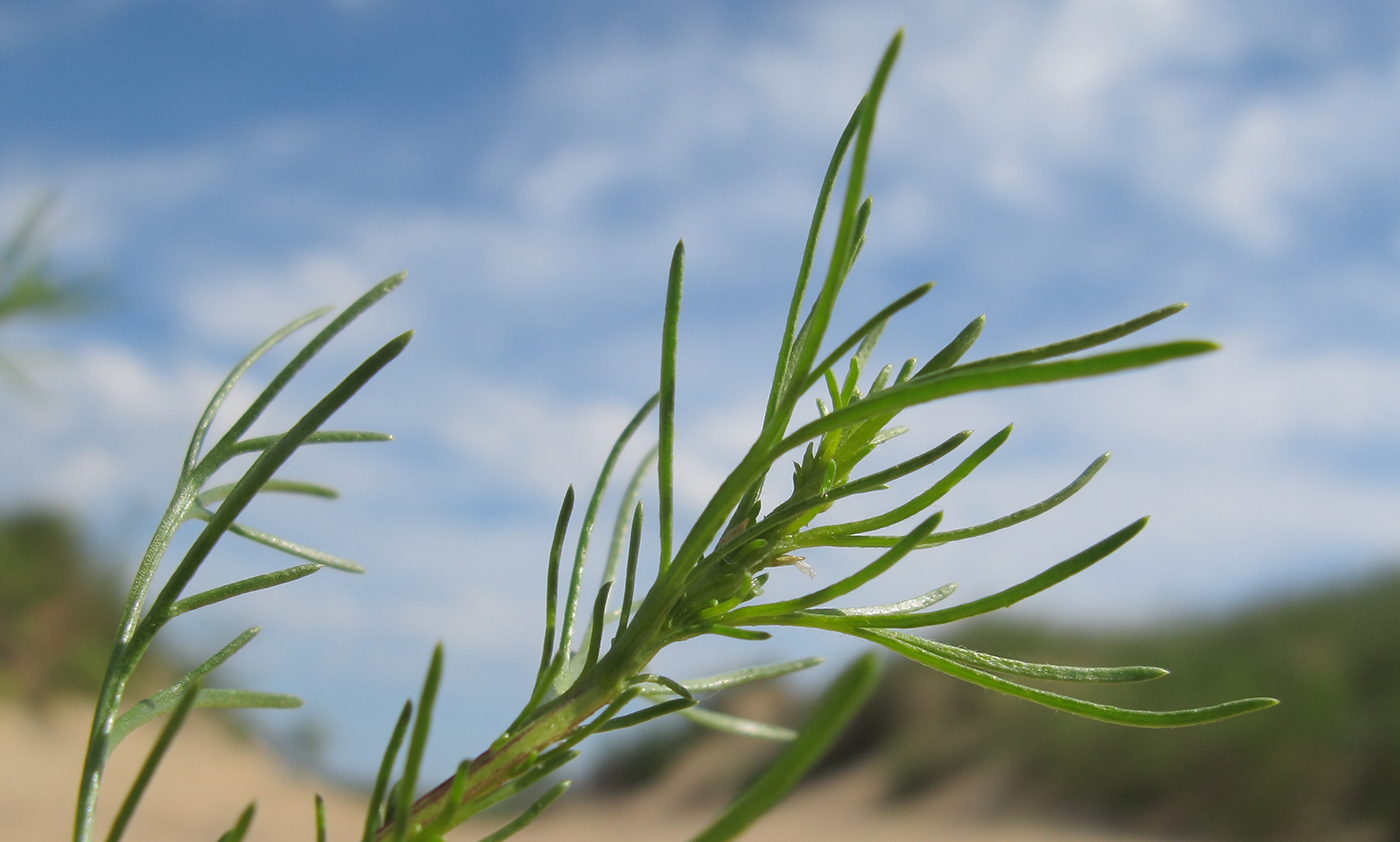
{"points": [[207, 171]]}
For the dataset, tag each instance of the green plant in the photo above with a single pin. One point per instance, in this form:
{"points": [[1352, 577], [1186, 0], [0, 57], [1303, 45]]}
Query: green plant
{"points": [[28, 284], [707, 583]]}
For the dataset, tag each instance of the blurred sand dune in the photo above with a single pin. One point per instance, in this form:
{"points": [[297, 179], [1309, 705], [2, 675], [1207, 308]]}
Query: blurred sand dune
{"points": [[188, 800]]}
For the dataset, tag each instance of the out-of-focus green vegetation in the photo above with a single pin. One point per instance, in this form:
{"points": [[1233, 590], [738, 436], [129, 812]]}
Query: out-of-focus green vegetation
{"points": [[56, 614], [1327, 758], [29, 286], [1324, 762]]}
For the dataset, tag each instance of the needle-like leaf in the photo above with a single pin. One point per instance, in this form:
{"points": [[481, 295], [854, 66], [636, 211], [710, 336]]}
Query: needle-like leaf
{"points": [[1079, 707], [240, 827], [374, 817], [1008, 666], [833, 710], [665, 465], [744, 676], [166, 700], [417, 744], [533, 812], [242, 586], [148, 768]]}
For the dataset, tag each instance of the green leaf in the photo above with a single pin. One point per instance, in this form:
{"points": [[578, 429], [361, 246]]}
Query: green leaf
{"points": [[148, 768], [667, 442], [571, 603], [283, 486], [242, 586], [202, 428], [1022, 515], [646, 715], [261, 443], [240, 827], [828, 719], [624, 515], [291, 548], [1034, 585], [374, 817], [1079, 707], [1079, 343], [1018, 516], [954, 351], [443, 821], [165, 701], [595, 639], [887, 559], [546, 765], [246, 700], [520, 822], [739, 726], [417, 744], [781, 374], [828, 535], [1007, 666], [865, 334], [260, 472], [959, 381], [847, 236], [551, 598], [291, 369], [634, 546], [744, 676], [908, 605], [320, 818]]}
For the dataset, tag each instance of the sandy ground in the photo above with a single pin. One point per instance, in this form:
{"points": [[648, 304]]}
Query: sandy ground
{"points": [[210, 775]]}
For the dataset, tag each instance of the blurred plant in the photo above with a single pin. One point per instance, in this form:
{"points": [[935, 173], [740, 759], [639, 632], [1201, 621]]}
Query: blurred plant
{"points": [[704, 586], [28, 283]]}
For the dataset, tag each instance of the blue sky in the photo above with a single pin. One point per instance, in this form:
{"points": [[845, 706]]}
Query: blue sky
{"points": [[1059, 166]]}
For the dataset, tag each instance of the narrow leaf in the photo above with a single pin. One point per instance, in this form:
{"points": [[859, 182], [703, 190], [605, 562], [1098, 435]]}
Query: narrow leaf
{"points": [[240, 827], [624, 514], [954, 351], [261, 443], [202, 428], [780, 375], [375, 815], [865, 333], [1079, 707], [646, 715], [164, 701], [828, 719], [282, 486], [1007, 666], [1022, 515], [958, 381], [906, 545], [311, 349], [242, 586], [551, 598], [417, 744], [731, 724], [634, 547], [1012, 595], [908, 605], [1079, 343], [520, 822], [744, 676], [666, 446], [571, 603], [824, 535], [148, 769]]}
